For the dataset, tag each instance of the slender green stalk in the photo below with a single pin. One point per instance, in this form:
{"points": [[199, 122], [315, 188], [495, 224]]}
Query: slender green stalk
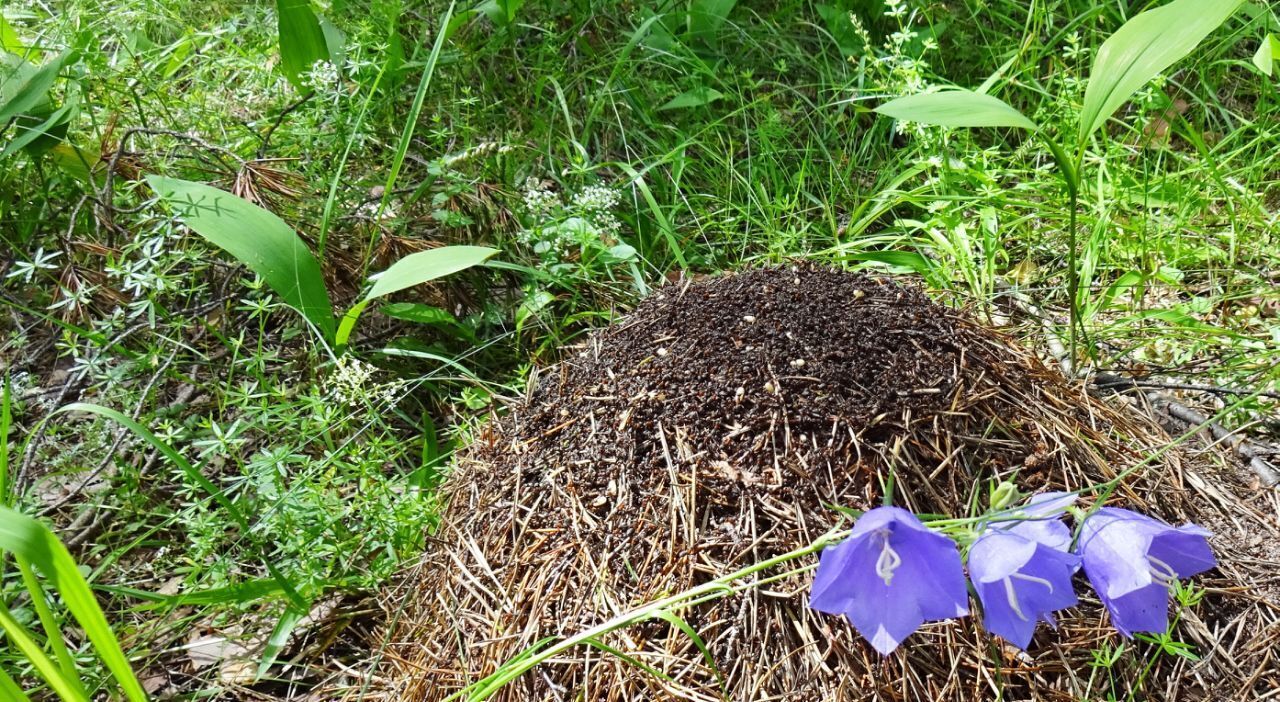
{"points": [[410, 123]]}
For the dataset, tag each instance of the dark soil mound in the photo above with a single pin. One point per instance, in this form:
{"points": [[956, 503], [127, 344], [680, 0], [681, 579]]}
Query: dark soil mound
{"points": [[715, 427]]}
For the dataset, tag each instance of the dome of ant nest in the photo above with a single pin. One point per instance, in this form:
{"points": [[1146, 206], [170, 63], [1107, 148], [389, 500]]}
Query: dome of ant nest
{"points": [[721, 424]]}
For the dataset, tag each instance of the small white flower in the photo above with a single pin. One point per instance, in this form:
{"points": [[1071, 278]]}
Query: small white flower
{"points": [[596, 198]]}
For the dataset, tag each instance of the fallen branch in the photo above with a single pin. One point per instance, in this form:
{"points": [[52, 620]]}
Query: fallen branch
{"points": [[1106, 379], [1250, 452]]}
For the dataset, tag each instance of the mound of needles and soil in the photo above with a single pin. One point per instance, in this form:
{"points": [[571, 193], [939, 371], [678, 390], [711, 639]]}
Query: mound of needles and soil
{"points": [[719, 425]]}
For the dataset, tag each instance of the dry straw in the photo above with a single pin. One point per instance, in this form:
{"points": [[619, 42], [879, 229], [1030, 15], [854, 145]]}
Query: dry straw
{"points": [[631, 476]]}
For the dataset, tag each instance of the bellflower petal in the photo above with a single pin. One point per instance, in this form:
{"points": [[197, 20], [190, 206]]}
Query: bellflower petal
{"points": [[1131, 559], [890, 576], [1020, 581], [1041, 523]]}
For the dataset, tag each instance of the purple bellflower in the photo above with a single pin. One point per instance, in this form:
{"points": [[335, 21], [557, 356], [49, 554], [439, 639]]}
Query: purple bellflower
{"points": [[890, 576], [1131, 561], [1020, 582], [1021, 570]]}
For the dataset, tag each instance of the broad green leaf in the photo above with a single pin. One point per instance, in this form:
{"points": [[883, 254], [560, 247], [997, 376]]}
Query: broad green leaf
{"points": [[501, 12], [1268, 51], [75, 161], [427, 314], [26, 88], [37, 135], [706, 17], [900, 259], [841, 28], [412, 270], [693, 98], [955, 108], [418, 313], [1140, 50], [258, 239], [335, 40], [425, 266], [9, 39], [302, 41], [34, 542]]}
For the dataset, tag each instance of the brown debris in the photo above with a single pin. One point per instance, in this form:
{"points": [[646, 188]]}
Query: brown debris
{"points": [[715, 427]]}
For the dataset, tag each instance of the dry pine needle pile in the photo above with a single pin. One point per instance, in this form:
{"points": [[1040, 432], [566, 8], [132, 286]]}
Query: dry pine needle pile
{"points": [[717, 425]]}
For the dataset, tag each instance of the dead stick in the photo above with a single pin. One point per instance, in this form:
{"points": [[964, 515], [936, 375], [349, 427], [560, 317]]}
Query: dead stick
{"points": [[1248, 451]]}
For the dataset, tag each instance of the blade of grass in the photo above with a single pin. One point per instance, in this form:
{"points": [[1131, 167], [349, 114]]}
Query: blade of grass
{"points": [[52, 630], [27, 646], [410, 122], [32, 540], [9, 689], [279, 637], [6, 419]]}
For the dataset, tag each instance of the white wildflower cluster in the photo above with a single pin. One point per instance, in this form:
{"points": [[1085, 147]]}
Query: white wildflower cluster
{"points": [[586, 220], [596, 198], [597, 203], [538, 201], [351, 383], [323, 77]]}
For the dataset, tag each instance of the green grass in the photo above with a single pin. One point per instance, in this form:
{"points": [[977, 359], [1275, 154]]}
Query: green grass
{"points": [[741, 143]]}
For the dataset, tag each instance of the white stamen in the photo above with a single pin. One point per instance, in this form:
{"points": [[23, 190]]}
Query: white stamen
{"points": [[888, 562], [1013, 599], [1161, 571], [1034, 579]]}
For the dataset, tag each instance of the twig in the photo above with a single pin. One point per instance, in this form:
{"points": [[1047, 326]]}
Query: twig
{"points": [[1248, 451], [1251, 453], [1106, 379], [266, 136]]}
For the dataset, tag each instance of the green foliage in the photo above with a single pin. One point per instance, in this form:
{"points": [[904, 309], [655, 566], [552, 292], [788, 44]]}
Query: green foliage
{"points": [[600, 154], [31, 543], [414, 269], [302, 41], [257, 238], [1141, 49], [955, 108], [27, 106]]}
